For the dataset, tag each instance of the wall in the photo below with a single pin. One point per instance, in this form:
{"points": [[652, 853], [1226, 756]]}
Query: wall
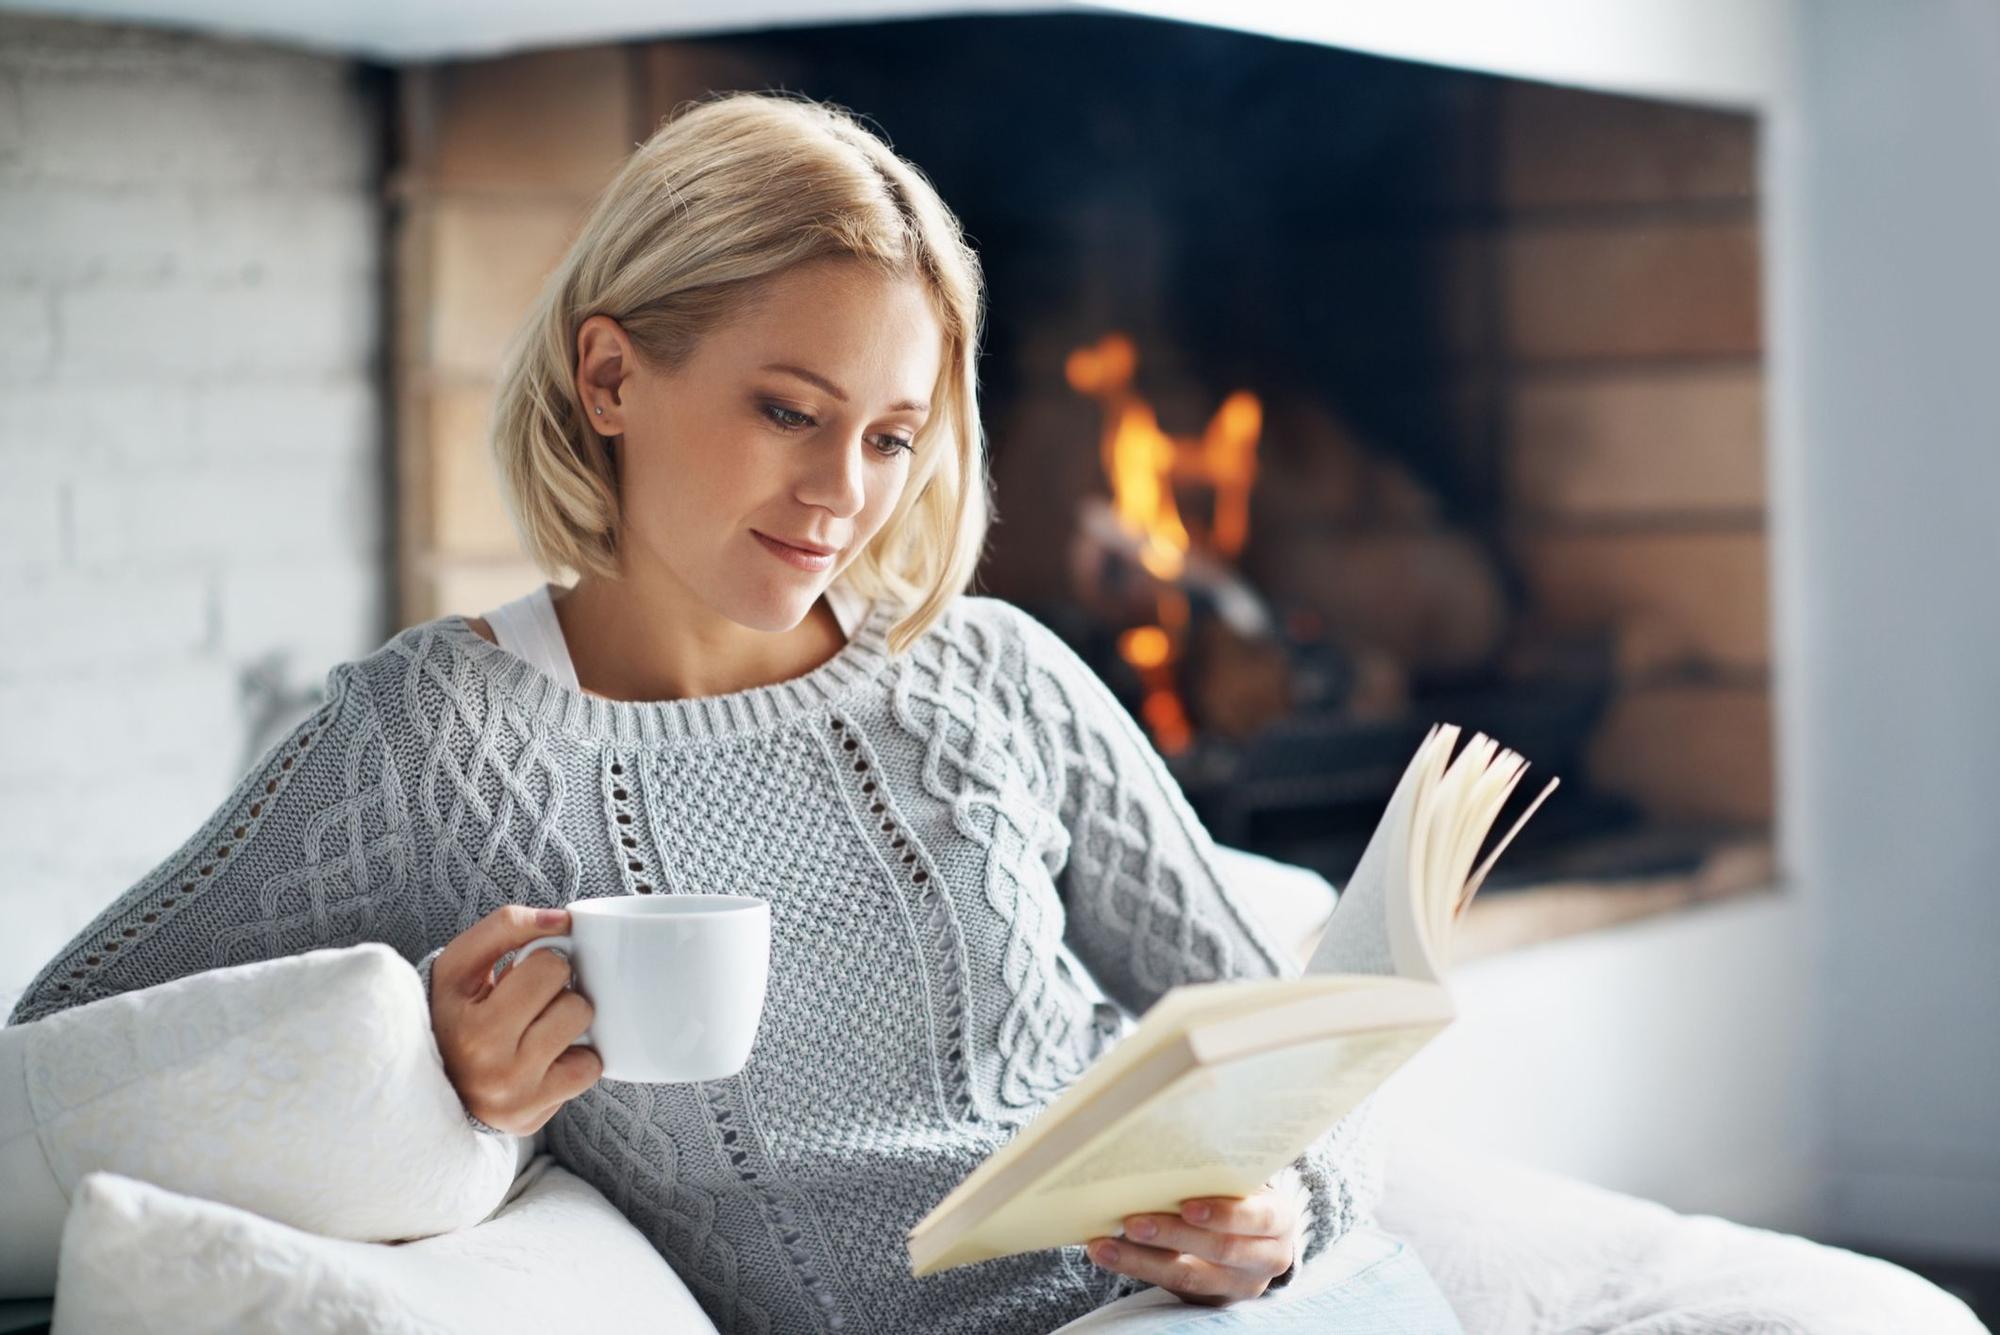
{"points": [[190, 527], [1660, 1058], [1888, 463]]}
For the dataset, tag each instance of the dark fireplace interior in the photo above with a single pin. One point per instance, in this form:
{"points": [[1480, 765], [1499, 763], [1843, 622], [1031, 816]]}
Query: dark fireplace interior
{"points": [[1330, 396]]}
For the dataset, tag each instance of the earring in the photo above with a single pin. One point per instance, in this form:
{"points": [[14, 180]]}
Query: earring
{"points": [[600, 412]]}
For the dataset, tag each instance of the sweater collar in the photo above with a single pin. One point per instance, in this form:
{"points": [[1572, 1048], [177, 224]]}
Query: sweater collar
{"points": [[551, 703]]}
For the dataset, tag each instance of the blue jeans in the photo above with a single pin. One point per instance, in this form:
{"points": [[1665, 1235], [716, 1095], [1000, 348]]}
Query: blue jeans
{"points": [[1369, 1282]]}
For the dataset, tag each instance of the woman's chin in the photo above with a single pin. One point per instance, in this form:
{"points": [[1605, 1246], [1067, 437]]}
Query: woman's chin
{"points": [[775, 611]]}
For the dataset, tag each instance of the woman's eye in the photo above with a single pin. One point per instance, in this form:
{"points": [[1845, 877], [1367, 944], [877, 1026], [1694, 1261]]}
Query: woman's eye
{"points": [[793, 420]]}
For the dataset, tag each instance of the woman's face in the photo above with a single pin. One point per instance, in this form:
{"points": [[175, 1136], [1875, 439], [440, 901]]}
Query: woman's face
{"points": [[793, 420]]}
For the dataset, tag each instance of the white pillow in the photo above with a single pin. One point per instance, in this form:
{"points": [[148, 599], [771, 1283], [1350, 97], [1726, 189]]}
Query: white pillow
{"points": [[307, 1088], [558, 1257]]}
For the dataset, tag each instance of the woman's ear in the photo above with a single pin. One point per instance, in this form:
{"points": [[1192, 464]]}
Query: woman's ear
{"points": [[602, 355]]}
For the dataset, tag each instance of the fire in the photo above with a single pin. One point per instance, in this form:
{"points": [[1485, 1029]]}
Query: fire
{"points": [[1143, 463]]}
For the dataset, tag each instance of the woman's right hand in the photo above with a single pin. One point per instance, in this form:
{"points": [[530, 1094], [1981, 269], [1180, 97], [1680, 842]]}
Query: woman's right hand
{"points": [[507, 1045]]}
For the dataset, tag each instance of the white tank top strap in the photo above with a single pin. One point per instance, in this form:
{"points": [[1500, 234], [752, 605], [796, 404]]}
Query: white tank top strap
{"points": [[527, 628], [849, 607]]}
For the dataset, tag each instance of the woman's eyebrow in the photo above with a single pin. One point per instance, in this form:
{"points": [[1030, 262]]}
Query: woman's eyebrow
{"points": [[907, 405]]}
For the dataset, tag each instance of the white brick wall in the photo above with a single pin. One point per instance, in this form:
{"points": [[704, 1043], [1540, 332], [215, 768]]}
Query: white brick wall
{"points": [[192, 471]]}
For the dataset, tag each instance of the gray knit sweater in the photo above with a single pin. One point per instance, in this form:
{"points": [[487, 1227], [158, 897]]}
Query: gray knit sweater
{"points": [[978, 867]]}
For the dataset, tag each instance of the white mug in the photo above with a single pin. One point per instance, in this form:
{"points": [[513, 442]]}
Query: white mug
{"points": [[676, 982]]}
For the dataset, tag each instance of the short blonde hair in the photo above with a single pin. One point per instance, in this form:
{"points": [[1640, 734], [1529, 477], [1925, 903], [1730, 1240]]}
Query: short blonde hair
{"points": [[729, 191]]}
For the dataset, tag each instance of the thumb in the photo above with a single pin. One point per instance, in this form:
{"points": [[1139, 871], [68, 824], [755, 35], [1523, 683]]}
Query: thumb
{"points": [[465, 966]]}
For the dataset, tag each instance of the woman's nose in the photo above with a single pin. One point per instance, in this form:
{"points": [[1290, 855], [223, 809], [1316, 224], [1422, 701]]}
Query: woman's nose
{"points": [[839, 478]]}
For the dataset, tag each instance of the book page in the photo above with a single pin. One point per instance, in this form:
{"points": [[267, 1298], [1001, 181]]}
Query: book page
{"points": [[1396, 913], [1358, 937]]}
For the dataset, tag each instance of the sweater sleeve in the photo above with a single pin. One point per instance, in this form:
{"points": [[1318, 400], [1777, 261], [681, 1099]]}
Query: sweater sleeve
{"points": [[1147, 902], [309, 850]]}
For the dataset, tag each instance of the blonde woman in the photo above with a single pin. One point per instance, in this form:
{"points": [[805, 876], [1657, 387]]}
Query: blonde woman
{"points": [[743, 410]]}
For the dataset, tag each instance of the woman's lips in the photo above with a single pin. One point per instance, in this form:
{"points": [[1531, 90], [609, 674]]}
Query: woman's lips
{"points": [[804, 560]]}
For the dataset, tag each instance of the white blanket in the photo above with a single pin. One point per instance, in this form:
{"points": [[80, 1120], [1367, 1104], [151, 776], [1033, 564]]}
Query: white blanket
{"points": [[1521, 1251]]}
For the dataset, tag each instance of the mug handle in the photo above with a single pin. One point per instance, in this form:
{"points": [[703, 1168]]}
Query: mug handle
{"points": [[567, 945]]}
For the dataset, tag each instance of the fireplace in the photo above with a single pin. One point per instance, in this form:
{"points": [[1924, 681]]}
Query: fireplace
{"points": [[1329, 396]]}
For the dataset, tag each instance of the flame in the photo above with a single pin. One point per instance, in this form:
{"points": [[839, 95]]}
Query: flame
{"points": [[1142, 464]]}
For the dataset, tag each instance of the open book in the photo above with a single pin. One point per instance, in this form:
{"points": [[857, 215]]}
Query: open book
{"points": [[1222, 1084]]}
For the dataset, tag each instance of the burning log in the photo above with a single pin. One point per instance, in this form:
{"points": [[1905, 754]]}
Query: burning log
{"points": [[1397, 591]]}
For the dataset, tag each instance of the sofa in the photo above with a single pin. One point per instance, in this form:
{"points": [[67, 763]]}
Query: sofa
{"points": [[214, 1154]]}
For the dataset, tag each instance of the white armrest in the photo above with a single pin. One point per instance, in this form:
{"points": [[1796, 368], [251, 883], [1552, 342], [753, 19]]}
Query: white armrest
{"points": [[1295, 902], [32, 1202]]}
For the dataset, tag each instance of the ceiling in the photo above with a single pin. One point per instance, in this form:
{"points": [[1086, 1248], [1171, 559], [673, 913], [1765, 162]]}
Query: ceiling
{"points": [[1722, 52]]}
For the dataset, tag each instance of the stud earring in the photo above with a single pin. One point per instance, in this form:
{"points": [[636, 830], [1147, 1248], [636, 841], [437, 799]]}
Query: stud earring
{"points": [[600, 412]]}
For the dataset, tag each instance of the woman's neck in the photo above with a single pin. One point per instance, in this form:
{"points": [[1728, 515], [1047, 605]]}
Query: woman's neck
{"points": [[624, 648]]}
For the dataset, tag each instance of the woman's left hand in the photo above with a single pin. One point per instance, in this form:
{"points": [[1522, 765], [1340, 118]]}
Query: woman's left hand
{"points": [[1217, 1250]]}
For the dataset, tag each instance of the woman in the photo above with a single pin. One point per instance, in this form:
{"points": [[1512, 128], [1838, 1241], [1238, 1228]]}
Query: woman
{"points": [[752, 377]]}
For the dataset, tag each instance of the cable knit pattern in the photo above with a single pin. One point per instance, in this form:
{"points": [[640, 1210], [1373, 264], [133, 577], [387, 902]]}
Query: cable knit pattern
{"points": [[978, 868], [1148, 907]]}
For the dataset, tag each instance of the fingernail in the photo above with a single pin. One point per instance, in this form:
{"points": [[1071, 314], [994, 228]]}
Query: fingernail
{"points": [[550, 917], [1197, 1212], [1141, 1229], [1105, 1251]]}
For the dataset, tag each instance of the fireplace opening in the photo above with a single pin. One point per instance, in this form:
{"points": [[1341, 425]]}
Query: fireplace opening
{"points": [[1329, 396]]}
